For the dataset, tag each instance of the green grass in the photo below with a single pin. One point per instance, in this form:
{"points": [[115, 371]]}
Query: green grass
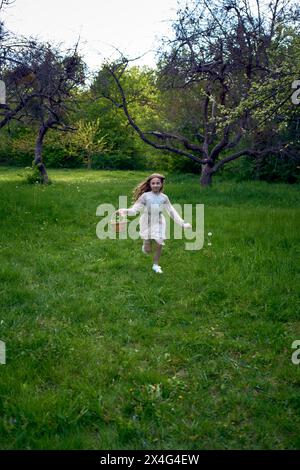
{"points": [[102, 353]]}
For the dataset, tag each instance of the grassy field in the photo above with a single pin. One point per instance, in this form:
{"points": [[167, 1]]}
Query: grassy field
{"points": [[102, 353]]}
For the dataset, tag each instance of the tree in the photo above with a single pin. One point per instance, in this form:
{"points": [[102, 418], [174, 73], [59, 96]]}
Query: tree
{"points": [[43, 80], [230, 55], [87, 139], [39, 85]]}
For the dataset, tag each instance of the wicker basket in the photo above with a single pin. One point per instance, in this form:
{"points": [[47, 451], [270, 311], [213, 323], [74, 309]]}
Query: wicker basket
{"points": [[119, 224]]}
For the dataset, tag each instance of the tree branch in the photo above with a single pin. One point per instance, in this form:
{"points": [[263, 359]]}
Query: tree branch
{"points": [[140, 132]]}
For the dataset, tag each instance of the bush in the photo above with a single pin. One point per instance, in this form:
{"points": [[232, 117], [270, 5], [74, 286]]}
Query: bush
{"points": [[32, 175], [118, 162], [270, 168], [56, 156]]}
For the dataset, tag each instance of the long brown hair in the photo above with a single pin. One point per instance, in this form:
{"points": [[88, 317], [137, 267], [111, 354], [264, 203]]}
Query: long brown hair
{"points": [[145, 185]]}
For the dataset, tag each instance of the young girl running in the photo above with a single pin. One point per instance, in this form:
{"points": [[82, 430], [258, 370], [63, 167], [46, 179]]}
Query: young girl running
{"points": [[149, 196]]}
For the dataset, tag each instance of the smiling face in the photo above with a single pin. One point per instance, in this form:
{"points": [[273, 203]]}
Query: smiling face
{"points": [[155, 185]]}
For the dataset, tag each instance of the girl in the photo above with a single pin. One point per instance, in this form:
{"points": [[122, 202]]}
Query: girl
{"points": [[149, 196]]}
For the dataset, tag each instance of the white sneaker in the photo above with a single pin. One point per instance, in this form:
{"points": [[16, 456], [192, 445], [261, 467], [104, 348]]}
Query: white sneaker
{"points": [[157, 268]]}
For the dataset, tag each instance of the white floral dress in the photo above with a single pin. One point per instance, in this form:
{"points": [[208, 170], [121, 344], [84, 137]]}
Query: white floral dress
{"points": [[152, 221]]}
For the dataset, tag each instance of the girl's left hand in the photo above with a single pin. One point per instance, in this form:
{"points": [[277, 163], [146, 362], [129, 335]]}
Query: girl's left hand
{"points": [[187, 225]]}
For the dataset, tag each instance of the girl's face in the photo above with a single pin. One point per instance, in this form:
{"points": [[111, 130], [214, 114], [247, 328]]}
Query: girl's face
{"points": [[156, 185]]}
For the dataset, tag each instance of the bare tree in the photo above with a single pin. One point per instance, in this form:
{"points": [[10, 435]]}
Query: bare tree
{"points": [[5, 3], [42, 81], [234, 55]]}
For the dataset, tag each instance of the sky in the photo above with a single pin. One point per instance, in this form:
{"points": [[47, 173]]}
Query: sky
{"points": [[132, 26]]}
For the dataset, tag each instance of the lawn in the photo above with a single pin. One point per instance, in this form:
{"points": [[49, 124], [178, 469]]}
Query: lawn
{"points": [[102, 353]]}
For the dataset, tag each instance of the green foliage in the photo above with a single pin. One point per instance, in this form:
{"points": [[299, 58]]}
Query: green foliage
{"points": [[118, 162], [17, 145], [139, 85], [88, 140], [270, 168], [31, 175]]}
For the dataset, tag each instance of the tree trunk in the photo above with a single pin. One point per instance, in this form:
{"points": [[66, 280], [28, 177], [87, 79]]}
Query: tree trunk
{"points": [[38, 154], [206, 175], [89, 162]]}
